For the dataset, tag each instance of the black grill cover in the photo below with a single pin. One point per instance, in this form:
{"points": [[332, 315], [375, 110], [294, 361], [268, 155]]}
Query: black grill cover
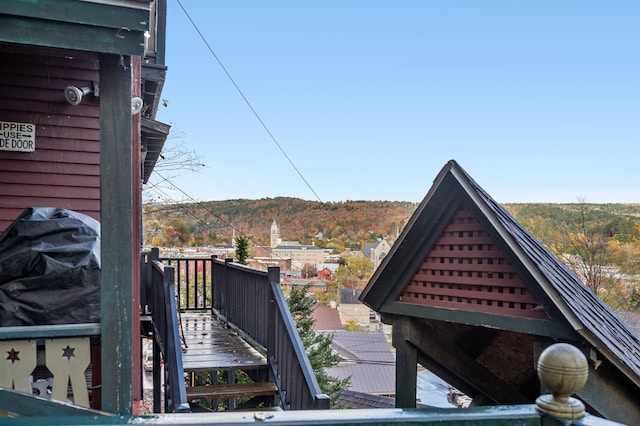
{"points": [[50, 269]]}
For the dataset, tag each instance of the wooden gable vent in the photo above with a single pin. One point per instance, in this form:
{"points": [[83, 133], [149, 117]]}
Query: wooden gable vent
{"points": [[466, 270]]}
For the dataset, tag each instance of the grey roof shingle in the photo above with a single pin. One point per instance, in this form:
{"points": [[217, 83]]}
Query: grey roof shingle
{"points": [[349, 296], [367, 359], [588, 314], [368, 378], [572, 312], [369, 346], [352, 399]]}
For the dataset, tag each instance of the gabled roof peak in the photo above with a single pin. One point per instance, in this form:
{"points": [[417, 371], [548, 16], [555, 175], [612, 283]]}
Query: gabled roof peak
{"points": [[571, 310]]}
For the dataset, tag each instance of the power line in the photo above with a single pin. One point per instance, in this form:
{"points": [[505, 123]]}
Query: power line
{"points": [[202, 206], [257, 116]]}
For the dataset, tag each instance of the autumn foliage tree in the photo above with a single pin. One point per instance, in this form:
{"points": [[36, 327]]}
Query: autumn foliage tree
{"points": [[177, 234], [354, 270], [603, 250], [309, 271]]}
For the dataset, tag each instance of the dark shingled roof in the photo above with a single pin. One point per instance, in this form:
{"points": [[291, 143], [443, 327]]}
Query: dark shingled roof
{"points": [[582, 308], [369, 378], [352, 399], [349, 296], [368, 247], [367, 359], [370, 346], [578, 305]]}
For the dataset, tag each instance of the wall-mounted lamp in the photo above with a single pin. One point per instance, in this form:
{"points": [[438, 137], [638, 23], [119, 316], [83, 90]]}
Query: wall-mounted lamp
{"points": [[136, 105], [73, 94]]}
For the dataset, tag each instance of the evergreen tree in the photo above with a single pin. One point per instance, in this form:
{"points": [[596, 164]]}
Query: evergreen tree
{"points": [[319, 346], [242, 250]]}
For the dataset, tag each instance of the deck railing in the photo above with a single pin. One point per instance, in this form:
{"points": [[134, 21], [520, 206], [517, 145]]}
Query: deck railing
{"points": [[251, 302], [242, 298], [160, 299]]}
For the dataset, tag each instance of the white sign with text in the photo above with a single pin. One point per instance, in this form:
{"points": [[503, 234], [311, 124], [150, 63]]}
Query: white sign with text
{"points": [[17, 136]]}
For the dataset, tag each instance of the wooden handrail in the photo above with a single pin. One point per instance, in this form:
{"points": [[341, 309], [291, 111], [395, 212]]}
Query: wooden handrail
{"points": [[164, 314], [287, 345], [251, 302]]}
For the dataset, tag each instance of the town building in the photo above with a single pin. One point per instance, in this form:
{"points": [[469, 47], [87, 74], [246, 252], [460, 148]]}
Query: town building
{"points": [[376, 251], [289, 283], [327, 270], [352, 310], [300, 255]]}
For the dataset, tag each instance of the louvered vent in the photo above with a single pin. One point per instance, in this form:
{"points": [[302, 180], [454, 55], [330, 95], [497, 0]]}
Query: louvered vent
{"points": [[465, 270]]}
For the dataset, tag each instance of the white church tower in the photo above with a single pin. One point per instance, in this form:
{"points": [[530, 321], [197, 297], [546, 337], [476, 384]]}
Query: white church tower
{"points": [[275, 234]]}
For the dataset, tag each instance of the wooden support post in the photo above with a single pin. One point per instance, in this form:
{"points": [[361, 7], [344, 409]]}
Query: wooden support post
{"points": [[231, 380], [116, 211], [214, 381], [406, 366], [156, 375]]}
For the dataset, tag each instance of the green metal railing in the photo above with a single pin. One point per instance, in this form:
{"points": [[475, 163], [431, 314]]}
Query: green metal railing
{"points": [[26, 403], [517, 415]]}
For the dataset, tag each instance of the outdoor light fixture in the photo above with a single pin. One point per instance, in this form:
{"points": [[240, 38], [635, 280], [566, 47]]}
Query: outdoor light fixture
{"points": [[73, 95], [136, 105]]}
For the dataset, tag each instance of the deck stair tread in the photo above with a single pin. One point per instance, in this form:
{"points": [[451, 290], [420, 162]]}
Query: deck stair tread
{"points": [[211, 346], [235, 390]]}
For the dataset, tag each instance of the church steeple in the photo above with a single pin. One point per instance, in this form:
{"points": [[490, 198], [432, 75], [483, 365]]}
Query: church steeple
{"points": [[275, 235]]}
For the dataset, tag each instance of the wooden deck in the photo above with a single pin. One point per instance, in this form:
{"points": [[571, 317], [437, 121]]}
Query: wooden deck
{"points": [[210, 346]]}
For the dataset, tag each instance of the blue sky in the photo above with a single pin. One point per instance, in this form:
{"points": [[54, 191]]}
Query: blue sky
{"points": [[539, 101]]}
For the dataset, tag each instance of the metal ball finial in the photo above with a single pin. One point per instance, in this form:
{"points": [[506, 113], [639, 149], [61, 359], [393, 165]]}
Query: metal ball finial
{"points": [[562, 369]]}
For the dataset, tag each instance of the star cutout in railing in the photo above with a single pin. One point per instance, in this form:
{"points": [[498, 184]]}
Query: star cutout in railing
{"points": [[13, 355], [68, 352]]}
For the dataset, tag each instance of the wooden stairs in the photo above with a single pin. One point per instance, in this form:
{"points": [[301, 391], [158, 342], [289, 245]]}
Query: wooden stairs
{"points": [[235, 390], [212, 354]]}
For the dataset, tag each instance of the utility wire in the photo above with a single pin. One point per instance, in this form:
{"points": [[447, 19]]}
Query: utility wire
{"points": [[255, 113], [202, 206]]}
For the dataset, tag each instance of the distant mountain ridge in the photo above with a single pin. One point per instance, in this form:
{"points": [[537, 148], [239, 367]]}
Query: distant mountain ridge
{"points": [[299, 220], [352, 222]]}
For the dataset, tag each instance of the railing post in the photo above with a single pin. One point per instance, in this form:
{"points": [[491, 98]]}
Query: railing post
{"points": [[213, 288], [273, 275], [216, 284], [225, 298], [146, 287]]}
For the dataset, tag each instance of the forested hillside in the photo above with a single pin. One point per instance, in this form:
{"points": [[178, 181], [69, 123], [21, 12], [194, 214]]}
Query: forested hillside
{"points": [[354, 222], [600, 242], [347, 224]]}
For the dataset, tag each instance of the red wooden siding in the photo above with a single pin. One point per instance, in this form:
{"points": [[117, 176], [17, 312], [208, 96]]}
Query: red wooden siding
{"points": [[465, 270], [64, 170]]}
